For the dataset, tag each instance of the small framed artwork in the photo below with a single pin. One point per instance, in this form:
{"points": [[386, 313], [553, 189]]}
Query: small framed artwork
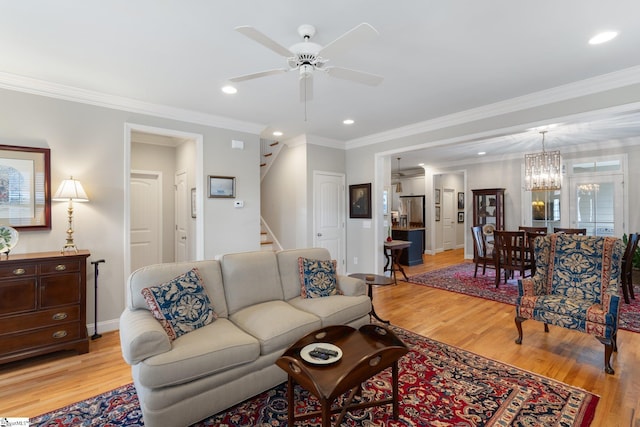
{"points": [[460, 200], [193, 203], [360, 201], [222, 186], [437, 213], [437, 196], [25, 188], [460, 216]]}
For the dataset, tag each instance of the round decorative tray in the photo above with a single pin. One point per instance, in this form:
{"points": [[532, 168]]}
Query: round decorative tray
{"points": [[304, 353]]}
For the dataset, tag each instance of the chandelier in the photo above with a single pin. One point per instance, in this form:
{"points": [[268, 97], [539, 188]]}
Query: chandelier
{"points": [[542, 170]]}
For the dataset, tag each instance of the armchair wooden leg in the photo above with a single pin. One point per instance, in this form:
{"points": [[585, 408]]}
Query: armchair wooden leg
{"points": [[609, 344], [519, 321]]}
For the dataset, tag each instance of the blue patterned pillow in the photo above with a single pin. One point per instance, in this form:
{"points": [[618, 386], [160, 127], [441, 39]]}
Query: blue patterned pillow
{"points": [[181, 305], [317, 278]]}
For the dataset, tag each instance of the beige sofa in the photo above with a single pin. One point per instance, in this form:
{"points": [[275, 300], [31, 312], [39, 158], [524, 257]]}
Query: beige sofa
{"points": [[256, 296]]}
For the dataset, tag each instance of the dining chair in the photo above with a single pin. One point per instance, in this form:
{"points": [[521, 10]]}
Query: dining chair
{"points": [[580, 231], [530, 237], [511, 254], [627, 266], [537, 230], [480, 253]]}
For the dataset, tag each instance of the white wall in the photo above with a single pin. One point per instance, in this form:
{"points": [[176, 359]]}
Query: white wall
{"points": [[88, 142]]}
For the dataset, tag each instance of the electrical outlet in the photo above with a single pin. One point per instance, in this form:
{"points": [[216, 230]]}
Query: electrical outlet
{"points": [[355, 260]]}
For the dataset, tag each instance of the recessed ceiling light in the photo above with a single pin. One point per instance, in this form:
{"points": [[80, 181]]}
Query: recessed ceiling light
{"points": [[230, 90], [420, 164], [277, 133], [603, 37], [481, 153], [348, 121]]}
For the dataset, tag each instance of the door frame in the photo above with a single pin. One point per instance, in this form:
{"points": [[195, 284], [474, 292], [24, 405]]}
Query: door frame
{"points": [[199, 163]]}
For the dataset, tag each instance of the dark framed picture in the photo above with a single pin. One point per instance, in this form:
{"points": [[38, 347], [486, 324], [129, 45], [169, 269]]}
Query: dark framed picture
{"points": [[222, 186], [437, 213], [460, 200], [460, 216], [25, 187], [193, 203], [360, 201], [437, 196]]}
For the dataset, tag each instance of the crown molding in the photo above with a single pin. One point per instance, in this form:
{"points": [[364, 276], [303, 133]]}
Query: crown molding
{"points": [[593, 85], [68, 93]]}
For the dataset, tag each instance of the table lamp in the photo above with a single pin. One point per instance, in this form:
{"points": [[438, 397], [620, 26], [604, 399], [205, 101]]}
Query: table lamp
{"points": [[71, 190]]}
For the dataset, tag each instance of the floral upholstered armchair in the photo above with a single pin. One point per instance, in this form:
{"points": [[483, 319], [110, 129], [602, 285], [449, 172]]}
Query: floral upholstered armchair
{"points": [[575, 286]]}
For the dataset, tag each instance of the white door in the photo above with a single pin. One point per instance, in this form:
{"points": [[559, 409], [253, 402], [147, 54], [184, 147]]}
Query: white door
{"points": [[329, 215], [596, 203], [146, 219], [448, 220], [182, 205]]}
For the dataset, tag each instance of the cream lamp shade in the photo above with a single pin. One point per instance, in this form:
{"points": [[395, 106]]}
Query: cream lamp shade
{"points": [[70, 189]]}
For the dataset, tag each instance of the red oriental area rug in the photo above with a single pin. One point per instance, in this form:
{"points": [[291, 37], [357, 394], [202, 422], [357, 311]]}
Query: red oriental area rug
{"points": [[440, 385], [459, 278]]}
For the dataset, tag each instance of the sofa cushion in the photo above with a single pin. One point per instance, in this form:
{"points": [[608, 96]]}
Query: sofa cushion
{"points": [[181, 305], [276, 324], [250, 278], [290, 271], [334, 310], [317, 278], [214, 348]]}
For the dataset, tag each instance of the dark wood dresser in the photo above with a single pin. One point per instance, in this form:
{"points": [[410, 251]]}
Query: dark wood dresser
{"points": [[42, 304]]}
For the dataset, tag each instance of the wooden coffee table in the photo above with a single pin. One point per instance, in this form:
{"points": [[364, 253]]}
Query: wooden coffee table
{"points": [[365, 352]]}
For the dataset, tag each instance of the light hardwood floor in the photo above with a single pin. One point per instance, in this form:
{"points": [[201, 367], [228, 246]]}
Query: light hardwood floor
{"points": [[32, 387]]}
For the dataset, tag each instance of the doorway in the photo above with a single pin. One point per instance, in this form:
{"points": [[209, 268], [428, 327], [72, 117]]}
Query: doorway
{"points": [[168, 153], [329, 215]]}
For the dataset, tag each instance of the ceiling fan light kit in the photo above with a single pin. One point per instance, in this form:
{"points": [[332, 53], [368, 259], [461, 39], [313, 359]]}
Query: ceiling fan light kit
{"points": [[307, 56]]}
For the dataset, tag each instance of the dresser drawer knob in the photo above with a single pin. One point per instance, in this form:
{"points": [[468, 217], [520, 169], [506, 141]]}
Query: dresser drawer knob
{"points": [[19, 271], [61, 267], [59, 334], [59, 316]]}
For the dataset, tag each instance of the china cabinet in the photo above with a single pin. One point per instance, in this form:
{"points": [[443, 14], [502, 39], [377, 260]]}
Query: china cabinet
{"points": [[488, 207]]}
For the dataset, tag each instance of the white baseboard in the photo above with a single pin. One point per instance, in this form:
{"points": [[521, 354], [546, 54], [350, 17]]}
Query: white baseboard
{"points": [[104, 326]]}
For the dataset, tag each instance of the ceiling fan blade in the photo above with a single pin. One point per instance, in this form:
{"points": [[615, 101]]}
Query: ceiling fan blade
{"points": [[258, 75], [264, 40], [355, 76], [357, 35], [306, 88]]}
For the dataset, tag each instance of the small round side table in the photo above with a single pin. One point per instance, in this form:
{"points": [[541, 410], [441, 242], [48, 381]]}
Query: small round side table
{"points": [[374, 280]]}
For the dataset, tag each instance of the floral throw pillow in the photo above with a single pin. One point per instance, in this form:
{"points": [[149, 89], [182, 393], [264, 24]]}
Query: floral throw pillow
{"points": [[181, 305], [317, 278]]}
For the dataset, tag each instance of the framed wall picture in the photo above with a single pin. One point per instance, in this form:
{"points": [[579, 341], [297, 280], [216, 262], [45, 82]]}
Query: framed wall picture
{"points": [[25, 188], [360, 201], [222, 186], [193, 203], [437, 196], [460, 216], [461, 200], [437, 213]]}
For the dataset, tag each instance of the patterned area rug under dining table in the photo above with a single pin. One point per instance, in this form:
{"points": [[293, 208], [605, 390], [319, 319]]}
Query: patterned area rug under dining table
{"points": [[440, 385], [459, 278]]}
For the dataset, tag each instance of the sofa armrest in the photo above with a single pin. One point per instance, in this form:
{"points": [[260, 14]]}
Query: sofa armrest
{"points": [[351, 286], [141, 336]]}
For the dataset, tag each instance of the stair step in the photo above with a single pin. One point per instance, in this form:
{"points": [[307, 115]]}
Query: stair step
{"points": [[263, 164], [268, 155], [274, 144]]}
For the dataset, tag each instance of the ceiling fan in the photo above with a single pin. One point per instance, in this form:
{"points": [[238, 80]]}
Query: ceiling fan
{"points": [[307, 57]]}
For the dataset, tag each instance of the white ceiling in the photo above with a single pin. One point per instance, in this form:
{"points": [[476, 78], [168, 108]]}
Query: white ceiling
{"points": [[437, 58]]}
